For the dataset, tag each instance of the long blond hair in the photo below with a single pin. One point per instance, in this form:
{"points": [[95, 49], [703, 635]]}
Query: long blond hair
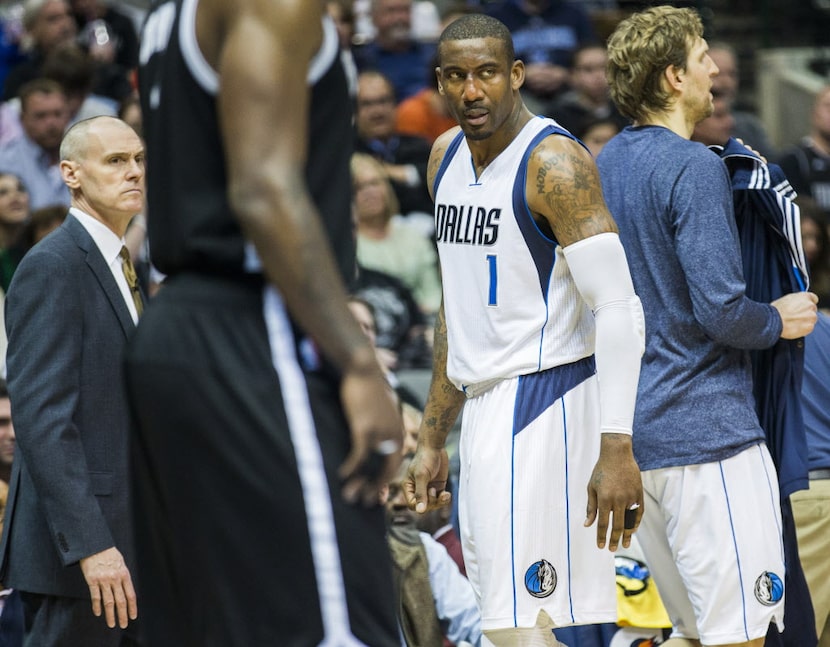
{"points": [[639, 51]]}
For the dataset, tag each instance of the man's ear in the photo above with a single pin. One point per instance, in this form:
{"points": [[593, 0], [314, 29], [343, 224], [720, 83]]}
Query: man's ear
{"points": [[674, 76], [69, 173], [438, 78], [517, 74]]}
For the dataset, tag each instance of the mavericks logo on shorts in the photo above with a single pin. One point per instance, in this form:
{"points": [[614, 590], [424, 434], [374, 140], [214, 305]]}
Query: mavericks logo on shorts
{"points": [[540, 579], [769, 589]]}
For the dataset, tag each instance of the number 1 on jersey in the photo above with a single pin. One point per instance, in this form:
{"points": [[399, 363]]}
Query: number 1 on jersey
{"points": [[494, 279]]}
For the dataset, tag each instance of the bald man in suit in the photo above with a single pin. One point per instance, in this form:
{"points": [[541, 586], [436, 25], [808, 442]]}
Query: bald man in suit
{"points": [[69, 311]]}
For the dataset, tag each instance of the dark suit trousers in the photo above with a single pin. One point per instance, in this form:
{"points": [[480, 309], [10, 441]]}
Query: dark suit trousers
{"points": [[51, 621]]}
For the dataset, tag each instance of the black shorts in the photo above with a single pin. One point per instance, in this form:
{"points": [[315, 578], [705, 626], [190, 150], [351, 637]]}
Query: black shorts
{"points": [[224, 551]]}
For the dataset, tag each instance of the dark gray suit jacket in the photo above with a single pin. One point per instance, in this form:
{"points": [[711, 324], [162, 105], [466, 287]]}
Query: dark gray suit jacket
{"points": [[67, 325]]}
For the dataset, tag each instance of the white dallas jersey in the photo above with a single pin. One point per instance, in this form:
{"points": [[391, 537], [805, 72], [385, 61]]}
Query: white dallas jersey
{"points": [[511, 305]]}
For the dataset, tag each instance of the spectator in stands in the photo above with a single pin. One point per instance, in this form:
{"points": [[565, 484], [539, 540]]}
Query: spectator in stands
{"points": [[364, 313], [11, 32], [404, 157], [596, 133], [34, 155], [11, 608], [718, 127], [588, 99], [815, 239], [425, 114], [47, 24], [437, 523], [394, 51], [434, 599], [400, 326], [101, 24], [546, 33], [391, 244], [747, 126], [342, 12], [72, 68], [130, 113], [14, 212], [807, 165]]}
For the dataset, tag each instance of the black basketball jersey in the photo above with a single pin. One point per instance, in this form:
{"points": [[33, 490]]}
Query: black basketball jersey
{"points": [[190, 223]]}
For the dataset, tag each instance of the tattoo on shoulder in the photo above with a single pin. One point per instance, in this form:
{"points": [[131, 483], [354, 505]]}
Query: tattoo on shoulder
{"points": [[435, 159], [568, 183]]}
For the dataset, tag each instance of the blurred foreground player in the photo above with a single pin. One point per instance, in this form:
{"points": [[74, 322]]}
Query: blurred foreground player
{"points": [[248, 471]]}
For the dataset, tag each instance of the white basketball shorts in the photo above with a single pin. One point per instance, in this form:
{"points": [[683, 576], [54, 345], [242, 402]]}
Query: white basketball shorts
{"points": [[711, 535], [528, 447]]}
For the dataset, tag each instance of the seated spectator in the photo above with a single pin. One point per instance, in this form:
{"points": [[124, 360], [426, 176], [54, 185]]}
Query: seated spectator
{"points": [[42, 222], [75, 70], [546, 33], [815, 240], [120, 33], [391, 244], [404, 157], [46, 24], [14, 212], [437, 523], [130, 113], [425, 114], [34, 156], [434, 599], [394, 51], [11, 606], [364, 314], [596, 133], [11, 32], [72, 68], [342, 12], [718, 127], [807, 165], [400, 326], [589, 98], [37, 225], [748, 127]]}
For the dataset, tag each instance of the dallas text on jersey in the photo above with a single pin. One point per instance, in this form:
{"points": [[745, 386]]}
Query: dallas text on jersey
{"points": [[468, 225]]}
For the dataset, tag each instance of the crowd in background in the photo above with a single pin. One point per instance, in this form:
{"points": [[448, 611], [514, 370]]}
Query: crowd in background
{"points": [[62, 61]]}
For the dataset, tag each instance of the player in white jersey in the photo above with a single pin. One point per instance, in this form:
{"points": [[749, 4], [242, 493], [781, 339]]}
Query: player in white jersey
{"points": [[528, 252]]}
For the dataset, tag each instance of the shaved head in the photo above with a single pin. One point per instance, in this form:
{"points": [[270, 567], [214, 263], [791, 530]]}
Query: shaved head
{"points": [[76, 141]]}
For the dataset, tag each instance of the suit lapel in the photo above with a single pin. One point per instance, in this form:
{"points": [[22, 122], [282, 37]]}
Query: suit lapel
{"points": [[95, 261]]}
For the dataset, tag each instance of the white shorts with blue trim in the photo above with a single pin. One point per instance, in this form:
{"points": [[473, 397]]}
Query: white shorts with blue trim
{"points": [[528, 446], [711, 534]]}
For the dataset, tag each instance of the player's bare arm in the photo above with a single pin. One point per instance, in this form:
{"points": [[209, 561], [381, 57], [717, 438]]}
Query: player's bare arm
{"points": [[427, 475], [263, 108], [563, 188], [436, 156]]}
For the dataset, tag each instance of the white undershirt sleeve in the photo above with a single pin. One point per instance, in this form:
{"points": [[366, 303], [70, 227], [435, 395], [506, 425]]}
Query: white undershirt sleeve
{"points": [[600, 271]]}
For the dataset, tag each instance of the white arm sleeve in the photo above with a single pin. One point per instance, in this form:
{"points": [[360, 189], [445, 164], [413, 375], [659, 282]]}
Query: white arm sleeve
{"points": [[601, 274]]}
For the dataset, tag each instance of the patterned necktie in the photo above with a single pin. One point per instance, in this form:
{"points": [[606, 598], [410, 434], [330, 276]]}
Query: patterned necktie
{"points": [[132, 279]]}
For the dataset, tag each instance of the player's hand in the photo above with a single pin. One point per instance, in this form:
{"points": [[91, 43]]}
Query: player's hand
{"points": [[110, 587], [426, 480], [376, 426], [615, 488], [798, 313]]}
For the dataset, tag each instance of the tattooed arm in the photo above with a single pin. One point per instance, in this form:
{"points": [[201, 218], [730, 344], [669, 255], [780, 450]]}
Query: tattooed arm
{"points": [[564, 193], [563, 190], [427, 477]]}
